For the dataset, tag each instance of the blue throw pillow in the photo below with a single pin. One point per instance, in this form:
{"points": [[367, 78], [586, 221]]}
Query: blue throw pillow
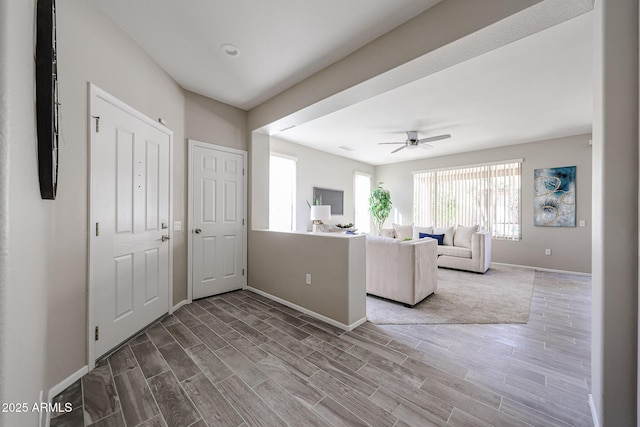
{"points": [[438, 237]]}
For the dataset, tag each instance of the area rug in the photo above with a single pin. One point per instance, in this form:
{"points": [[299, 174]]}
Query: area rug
{"points": [[501, 295]]}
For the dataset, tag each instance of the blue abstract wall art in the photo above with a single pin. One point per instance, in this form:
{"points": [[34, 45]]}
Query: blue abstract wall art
{"points": [[554, 202]]}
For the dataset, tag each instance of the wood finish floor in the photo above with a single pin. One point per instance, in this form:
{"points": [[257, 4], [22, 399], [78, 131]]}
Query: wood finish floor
{"points": [[240, 359]]}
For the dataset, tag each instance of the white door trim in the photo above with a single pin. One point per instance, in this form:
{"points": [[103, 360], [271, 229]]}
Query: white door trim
{"points": [[95, 93], [192, 143]]}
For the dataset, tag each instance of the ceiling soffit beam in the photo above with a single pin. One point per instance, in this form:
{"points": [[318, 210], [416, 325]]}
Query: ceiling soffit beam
{"points": [[451, 32]]}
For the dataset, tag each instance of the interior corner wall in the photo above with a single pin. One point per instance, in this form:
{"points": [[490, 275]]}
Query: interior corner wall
{"points": [[259, 149], [25, 222], [319, 169], [614, 348], [92, 48], [213, 122], [208, 120], [571, 247]]}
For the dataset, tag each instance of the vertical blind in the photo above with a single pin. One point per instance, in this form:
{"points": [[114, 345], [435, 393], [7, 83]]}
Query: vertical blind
{"points": [[488, 195]]}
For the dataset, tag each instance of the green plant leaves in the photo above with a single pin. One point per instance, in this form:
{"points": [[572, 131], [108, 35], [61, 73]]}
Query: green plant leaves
{"points": [[380, 204]]}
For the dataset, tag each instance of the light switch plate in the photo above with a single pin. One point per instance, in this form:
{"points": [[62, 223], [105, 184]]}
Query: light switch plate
{"points": [[582, 223], [177, 225]]}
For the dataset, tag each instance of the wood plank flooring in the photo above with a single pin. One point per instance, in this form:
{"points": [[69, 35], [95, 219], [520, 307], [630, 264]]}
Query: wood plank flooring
{"points": [[240, 359]]}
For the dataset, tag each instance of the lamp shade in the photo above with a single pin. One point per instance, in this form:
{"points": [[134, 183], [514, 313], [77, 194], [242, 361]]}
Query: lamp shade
{"points": [[320, 213]]}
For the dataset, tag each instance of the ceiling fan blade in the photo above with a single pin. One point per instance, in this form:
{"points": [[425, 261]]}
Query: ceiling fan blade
{"points": [[435, 138], [387, 143], [398, 149], [425, 146]]}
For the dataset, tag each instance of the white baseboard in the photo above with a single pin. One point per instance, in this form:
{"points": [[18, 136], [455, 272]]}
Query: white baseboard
{"points": [[550, 270], [309, 312], [62, 385], [594, 414], [357, 323], [178, 305]]}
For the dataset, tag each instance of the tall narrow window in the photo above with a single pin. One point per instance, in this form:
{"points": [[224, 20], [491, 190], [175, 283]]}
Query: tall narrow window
{"points": [[282, 193], [362, 191], [488, 195]]}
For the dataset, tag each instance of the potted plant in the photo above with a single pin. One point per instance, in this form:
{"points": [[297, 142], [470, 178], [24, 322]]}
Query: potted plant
{"points": [[380, 206]]}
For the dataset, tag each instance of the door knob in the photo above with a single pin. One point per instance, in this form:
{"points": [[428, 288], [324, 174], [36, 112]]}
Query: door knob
{"points": [[197, 231], [165, 238]]}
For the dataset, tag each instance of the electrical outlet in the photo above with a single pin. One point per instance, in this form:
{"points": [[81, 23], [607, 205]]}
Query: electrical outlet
{"points": [[177, 225], [308, 279], [547, 251]]}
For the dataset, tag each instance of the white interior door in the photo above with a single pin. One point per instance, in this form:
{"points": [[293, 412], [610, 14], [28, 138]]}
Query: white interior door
{"points": [[217, 220], [130, 252]]}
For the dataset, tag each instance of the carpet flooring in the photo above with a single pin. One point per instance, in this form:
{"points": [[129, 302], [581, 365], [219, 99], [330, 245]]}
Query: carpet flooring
{"points": [[501, 295]]}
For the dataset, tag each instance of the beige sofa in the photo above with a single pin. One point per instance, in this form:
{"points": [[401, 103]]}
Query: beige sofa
{"points": [[406, 272], [472, 253], [476, 259]]}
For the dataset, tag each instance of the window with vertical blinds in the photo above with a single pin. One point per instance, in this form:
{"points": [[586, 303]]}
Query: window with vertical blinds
{"points": [[488, 195]]}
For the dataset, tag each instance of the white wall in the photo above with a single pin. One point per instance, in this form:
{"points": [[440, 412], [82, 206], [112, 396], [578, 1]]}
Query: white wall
{"points": [[26, 221], [571, 247], [319, 169]]}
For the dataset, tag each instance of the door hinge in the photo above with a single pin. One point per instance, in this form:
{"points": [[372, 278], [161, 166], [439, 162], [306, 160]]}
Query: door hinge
{"points": [[97, 123], [243, 271], [97, 333], [242, 171], [97, 229], [242, 221]]}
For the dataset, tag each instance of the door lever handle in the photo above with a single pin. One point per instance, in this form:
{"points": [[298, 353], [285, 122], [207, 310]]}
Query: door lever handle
{"points": [[197, 231], [165, 238]]}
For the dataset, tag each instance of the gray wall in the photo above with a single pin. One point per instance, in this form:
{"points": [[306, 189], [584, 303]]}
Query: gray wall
{"points": [[92, 48], [26, 221], [319, 169], [259, 151], [614, 350], [278, 263], [208, 120], [571, 247]]}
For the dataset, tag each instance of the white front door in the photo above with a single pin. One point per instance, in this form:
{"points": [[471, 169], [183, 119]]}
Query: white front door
{"points": [[130, 252], [217, 223]]}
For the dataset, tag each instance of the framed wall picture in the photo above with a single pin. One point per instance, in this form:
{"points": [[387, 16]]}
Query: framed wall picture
{"points": [[335, 198], [554, 203], [47, 98]]}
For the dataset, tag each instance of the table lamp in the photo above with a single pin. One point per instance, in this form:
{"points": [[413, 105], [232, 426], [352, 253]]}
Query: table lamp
{"points": [[320, 213]]}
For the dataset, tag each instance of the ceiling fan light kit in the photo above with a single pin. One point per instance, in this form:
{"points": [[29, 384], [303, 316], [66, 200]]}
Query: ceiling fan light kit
{"points": [[413, 141]]}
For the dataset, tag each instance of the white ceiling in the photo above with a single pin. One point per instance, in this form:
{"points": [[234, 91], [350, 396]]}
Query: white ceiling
{"points": [[533, 89], [536, 88], [281, 42]]}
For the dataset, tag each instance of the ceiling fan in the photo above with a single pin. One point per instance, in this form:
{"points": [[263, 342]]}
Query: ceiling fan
{"points": [[413, 141]]}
